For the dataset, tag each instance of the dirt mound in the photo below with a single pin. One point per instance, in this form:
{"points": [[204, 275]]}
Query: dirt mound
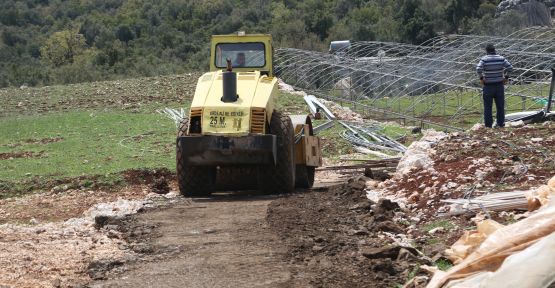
{"points": [[44, 140], [339, 238], [147, 176], [478, 162], [24, 154], [160, 186]]}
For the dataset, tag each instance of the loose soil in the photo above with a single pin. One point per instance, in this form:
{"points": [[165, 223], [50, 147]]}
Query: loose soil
{"points": [[24, 154], [473, 163], [332, 237], [67, 200], [223, 241], [129, 94], [338, 238]]}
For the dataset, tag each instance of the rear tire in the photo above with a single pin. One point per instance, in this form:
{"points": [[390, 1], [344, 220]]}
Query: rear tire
{"points": [[304, 176], [194, 181], [281, 177]]}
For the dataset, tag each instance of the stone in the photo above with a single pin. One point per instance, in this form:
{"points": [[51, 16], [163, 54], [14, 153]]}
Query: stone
{"points": [[414, 197], [113, 234], [518, 123], [317, 248], [97, 269], [142, 248], [361, 232], [381, 252], [477, 126], [452, 185], [436, 230]]}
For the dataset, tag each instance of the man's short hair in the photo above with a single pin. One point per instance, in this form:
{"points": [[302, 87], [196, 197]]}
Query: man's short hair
{"points": [[490, 49]]}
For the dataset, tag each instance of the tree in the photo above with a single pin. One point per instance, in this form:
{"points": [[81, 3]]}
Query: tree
{"points": [[458, 10], [362, 21], [11, 37], [317, 18], [124, 33], [416, 25], [61, 47]]}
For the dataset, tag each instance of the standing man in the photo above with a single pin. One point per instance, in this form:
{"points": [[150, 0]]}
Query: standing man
{"points": [[493, 71]]}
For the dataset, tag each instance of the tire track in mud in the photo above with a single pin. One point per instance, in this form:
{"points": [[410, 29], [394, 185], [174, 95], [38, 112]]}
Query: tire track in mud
{"points": [[223, 241], [333, 237]]}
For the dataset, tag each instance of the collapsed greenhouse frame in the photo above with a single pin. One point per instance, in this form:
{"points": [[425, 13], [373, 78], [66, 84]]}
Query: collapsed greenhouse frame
{"points": [[434, 83]]}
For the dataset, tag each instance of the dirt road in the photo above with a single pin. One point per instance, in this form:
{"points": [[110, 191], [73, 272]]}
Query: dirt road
{"points": [[219, 242], [333, 237]]}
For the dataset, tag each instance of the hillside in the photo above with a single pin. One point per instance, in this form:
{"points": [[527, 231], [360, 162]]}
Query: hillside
{"points": [[45, 42]]}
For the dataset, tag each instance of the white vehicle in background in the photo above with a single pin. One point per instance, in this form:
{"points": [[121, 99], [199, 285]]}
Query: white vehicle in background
{"points": [[339, 48]]}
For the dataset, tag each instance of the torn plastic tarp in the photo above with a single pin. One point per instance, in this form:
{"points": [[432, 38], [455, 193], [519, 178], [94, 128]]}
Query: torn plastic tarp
{"points": [[500, 244], [533, 267], [541, 196], [471, 240]]}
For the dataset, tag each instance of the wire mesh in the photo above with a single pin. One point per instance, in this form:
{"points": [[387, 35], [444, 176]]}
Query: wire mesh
{"points": [[435, 81]]}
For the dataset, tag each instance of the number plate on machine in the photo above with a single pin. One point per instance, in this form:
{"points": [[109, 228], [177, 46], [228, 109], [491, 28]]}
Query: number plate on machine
{"points": [[225, 121]]}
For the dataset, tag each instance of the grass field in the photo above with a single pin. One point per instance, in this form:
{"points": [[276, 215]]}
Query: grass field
{"points": [[85, 135], [467, 104], [84, 143], [93, 131]]}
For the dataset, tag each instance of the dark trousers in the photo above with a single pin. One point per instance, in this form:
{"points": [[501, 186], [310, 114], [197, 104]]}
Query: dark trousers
{"points": [[494, 92]]}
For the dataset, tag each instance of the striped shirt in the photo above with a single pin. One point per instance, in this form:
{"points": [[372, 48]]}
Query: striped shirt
{"points": [[493, 68]]}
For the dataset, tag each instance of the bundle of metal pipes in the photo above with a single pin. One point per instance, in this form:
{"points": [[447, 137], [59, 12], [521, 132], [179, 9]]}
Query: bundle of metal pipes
{"points": [[359, 135]]}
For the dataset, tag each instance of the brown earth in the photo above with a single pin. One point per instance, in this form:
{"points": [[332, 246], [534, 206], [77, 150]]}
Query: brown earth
{"points": [[24, 154], [129, 94], [466, 165], [65, 199], [338, 238], [508, 159], [42, 141], [329, 237], [223, 241]]}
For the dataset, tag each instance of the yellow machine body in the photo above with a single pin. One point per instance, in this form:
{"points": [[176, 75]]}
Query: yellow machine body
{"points": [[256, 89]]}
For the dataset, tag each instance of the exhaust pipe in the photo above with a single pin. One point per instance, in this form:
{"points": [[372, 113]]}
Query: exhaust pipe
{"points": [[229, 80]]}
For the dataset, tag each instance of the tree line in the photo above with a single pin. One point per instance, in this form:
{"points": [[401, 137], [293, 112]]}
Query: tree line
{"points": [[45, 42]]}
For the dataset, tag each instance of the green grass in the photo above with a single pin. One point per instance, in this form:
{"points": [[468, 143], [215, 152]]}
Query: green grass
{"points": [[291, 104], [433, 241], [94, 143], [445, 104], [333, 144], [128, 95], [443, 264], [105, 128]]}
